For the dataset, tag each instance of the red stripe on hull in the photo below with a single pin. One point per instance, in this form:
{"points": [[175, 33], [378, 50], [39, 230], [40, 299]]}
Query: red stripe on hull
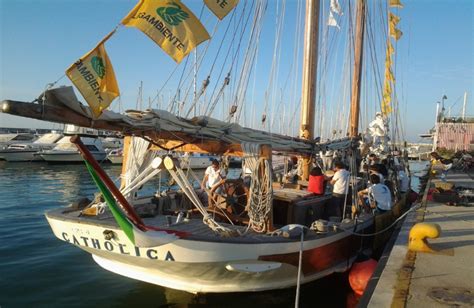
{"points": [[320, 258]]}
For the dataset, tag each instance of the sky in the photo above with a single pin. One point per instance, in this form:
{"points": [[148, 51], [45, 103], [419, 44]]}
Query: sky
{"points": [[40, 39]]}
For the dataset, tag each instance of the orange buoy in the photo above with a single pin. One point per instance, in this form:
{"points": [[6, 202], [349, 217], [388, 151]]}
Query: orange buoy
{"points": [[352, 300], [360, 275]]}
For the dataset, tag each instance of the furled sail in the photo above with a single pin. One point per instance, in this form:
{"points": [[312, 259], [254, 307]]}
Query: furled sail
{"points": [[199, 134]]}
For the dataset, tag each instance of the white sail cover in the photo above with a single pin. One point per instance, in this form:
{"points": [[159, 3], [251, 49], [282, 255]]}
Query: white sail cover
{"points": [[135, 122]]}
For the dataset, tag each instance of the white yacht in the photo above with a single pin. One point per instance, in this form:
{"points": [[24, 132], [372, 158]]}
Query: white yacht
{"points": [[21, 152], [115, 156], [112, 143], [66, 152], [10, 138], [196, 160]]}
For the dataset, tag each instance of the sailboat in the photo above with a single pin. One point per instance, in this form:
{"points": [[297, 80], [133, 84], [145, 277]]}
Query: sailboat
{"points": [[268, 241]]}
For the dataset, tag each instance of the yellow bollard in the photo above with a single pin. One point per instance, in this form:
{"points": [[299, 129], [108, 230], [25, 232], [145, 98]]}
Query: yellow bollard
{"points": [[418, 235]]}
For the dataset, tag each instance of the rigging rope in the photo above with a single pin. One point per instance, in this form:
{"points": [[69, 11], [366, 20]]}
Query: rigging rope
{"points": [[261, 189], [182, 180]]}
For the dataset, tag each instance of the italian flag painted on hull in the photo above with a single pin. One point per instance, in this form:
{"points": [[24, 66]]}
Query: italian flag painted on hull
{"points": [[139, 238]]}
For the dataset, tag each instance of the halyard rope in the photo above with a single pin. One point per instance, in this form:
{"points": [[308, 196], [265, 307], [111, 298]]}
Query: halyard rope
{"points": [[261, 190]]}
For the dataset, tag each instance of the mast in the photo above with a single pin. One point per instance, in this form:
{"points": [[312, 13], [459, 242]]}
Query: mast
{"points": [[310, 61], [359, 42]]}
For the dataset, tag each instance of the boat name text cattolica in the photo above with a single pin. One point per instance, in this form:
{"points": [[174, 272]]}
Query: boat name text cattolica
{"points": [[116, 247]]}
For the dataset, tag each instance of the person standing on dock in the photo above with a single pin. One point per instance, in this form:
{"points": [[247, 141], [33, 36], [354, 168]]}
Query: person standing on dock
{"points": [[340, 180]]}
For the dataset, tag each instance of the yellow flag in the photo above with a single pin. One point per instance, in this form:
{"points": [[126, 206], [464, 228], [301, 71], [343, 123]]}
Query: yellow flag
{"points": [[221, 8], [93, 75], [393, 19], [388, 74], [385, 105], [387, 89], [168, 23], [390, 49], [386, 109], [395, 3], [395, 33], [388, 59]]}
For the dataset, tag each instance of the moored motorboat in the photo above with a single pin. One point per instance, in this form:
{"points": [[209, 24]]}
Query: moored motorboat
{"points": [[24, 152], [14, 138], [195, 160], [115, 156], [65, 152]]}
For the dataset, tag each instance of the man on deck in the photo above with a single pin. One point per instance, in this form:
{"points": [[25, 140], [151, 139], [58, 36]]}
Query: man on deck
{"points": [[340, 181], [378, 196], [214, 177]]}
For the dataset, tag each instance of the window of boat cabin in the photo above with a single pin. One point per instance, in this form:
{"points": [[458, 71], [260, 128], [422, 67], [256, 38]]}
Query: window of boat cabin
{"points": [[92, 147], [22, 137]]}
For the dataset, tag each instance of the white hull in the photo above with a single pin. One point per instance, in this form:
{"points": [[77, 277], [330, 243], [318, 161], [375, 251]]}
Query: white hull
{"points": [[214, 277], [211, 266], [195, 162], [115, 159], [68, 156], [20, 156]]}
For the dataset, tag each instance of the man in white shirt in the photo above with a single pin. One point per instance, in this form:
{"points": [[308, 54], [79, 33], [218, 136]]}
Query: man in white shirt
{"points": [[377, 194], [340, 181], [214, 177], [404, 180]]}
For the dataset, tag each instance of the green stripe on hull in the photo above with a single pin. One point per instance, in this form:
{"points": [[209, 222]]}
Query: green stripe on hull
{"points": [[121, 219]]}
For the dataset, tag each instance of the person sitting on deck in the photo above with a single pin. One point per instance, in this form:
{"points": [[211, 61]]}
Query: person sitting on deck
{"points": [[292, 175], [340, 180], [374, 169], [214, 177], [377, 196], [316, 181]]}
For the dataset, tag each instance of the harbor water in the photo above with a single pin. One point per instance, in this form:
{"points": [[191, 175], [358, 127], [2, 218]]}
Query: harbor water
{"points": [[38, 270]]}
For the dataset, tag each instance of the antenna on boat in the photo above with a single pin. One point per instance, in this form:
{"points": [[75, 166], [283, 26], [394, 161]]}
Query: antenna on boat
{"points": [[464, 105]]}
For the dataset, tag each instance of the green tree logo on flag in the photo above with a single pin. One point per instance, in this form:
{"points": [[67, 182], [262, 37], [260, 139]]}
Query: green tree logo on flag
{"points": [[172, 14], [98, 66]]}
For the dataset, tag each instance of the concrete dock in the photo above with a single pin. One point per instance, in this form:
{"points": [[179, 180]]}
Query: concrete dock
{"points": [[445, 278]]}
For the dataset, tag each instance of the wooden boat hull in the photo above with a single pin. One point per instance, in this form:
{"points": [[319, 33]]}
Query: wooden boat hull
{"points": [[221, 265]]}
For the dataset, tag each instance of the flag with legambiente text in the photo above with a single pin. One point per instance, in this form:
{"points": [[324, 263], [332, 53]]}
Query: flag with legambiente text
{"points": [[170, 24], [93, 75]]}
